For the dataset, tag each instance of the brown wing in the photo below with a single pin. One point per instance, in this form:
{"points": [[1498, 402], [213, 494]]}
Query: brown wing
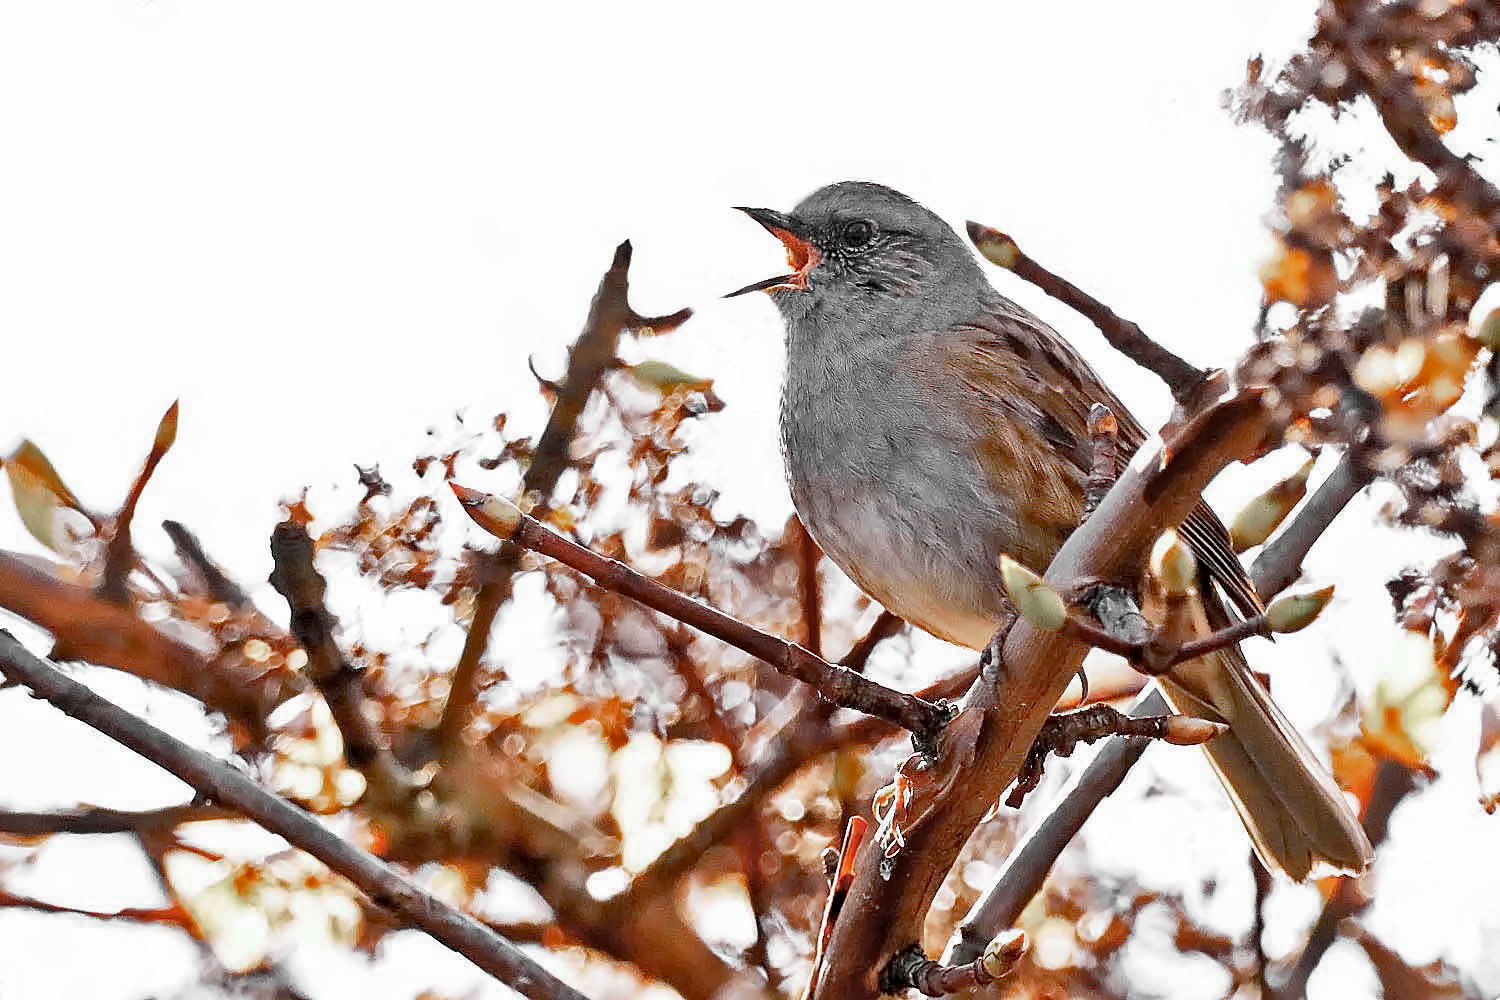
{"points": [[1020, 361]]}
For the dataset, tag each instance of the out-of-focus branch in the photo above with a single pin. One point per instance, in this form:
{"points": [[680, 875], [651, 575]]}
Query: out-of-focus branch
{"points": [[216, 780], [804, 737], [86, 627], [1400, 108], [838, 685], [1393, 782], [592, 354], [1181, 377], [297, 579], [218, 585], [94, 819]]}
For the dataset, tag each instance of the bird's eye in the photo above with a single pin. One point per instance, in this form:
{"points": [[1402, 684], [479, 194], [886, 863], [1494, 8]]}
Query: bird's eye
{"points": [[857, 233]]}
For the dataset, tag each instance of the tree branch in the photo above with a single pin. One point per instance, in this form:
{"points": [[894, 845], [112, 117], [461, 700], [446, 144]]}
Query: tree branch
{"points": [[86, 627], [838, 685], [220, 782], [94, 819]]}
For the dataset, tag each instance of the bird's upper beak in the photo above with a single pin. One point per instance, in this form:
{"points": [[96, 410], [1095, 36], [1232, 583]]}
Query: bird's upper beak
{"points": [[801, 254]]}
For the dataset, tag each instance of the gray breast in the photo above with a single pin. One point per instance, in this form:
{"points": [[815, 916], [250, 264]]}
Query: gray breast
{"points": [[884, 478]]}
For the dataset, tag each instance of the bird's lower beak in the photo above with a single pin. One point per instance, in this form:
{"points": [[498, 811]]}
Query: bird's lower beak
{"points": [[801, 254]]}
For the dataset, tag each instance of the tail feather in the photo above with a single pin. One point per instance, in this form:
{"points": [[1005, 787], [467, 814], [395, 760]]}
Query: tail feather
{"points": [[1295, 813]]}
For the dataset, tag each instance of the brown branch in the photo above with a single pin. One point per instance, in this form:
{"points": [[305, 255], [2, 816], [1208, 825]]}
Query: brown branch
{"points": [[592, 354], [119, 553], [912, 970], [809, 594], [86, 627], [984, 747], [94, 819], [219, 782], [218, 585], [1182, 378], [1061, 735], [297, 579], [836, 684]]}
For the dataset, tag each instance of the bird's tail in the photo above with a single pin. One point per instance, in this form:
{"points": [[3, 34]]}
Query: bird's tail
{"points": [[1294, 811]]}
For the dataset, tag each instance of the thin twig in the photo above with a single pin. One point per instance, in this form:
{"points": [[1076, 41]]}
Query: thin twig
{"points": [[119, 553], [1062, 733], [592, 354], [218, 781], [173, 916], [297, 579], [1181, 377], [838, 685]]}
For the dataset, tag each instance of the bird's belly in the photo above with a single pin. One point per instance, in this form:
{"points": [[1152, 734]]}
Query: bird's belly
{"points": [[892, 546]]}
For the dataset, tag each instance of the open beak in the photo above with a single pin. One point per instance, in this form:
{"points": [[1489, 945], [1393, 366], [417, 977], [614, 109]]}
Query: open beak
{"points": [[801, 254]]}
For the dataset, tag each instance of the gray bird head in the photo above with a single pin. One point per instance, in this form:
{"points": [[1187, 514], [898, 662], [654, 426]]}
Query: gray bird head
{"points": [[868, 260]]}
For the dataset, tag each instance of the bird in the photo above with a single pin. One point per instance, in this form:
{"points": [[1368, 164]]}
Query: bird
{"points": [[929, 425]]}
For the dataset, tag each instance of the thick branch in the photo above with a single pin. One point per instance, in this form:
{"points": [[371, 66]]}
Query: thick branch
{"points": [[86, 627], [297, 579], [220, 782], [984, 747]]}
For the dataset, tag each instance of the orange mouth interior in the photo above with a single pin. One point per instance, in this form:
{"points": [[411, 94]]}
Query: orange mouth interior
{"points": [[800, 254]]}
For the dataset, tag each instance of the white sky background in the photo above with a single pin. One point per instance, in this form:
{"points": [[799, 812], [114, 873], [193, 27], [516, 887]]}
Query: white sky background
{"points": [[326, 227]]}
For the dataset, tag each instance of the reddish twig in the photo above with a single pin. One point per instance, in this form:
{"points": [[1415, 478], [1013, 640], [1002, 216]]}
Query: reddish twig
{"points": [[592, 354], [119, 553], [836, 684], [218, 781], [1181, 377], [171, 916]]}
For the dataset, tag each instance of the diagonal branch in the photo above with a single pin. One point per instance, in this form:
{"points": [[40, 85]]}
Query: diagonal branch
{"points": [[218, 781], [1181, 377], [86, 627], [592, 355], [837, 684]]}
